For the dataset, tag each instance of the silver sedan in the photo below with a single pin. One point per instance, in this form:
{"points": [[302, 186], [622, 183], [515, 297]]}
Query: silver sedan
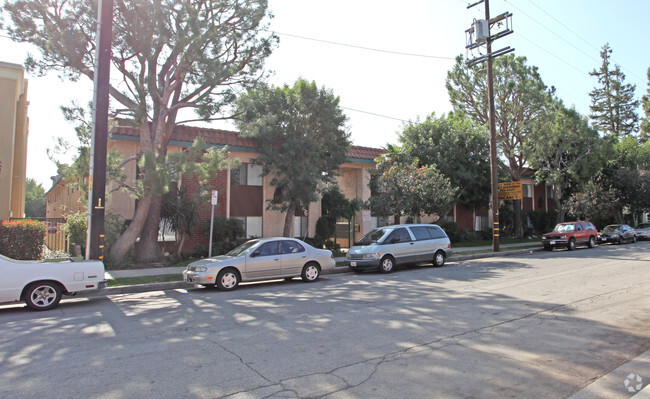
{"points": [[261, 259]]}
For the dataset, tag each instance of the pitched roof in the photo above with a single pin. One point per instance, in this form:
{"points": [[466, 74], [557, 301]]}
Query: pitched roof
{"points": [[185, 135]]}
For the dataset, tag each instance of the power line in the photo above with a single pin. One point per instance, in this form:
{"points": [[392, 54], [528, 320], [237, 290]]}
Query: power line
{"points": [[374, 114], [566, 41], [361, 47]]}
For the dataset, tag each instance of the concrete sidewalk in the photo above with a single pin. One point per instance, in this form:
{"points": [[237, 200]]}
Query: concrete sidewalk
{"points": [[456, 256]]}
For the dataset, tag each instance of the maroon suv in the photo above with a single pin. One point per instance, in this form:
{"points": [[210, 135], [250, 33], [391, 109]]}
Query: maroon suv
{"points": [[569, 235]]}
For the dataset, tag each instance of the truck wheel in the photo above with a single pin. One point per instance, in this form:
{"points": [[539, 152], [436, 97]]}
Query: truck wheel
{"points": [[43, 295], [572, 244]]}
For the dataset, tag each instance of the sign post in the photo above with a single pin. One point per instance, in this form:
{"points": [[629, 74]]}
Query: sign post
{"points": [[215, 198]]}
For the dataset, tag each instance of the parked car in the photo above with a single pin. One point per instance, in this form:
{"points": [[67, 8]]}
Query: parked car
{"points": [[261, 259], [643, 231], [386, 247], [41, 284], [617, 234], [569, 235]]}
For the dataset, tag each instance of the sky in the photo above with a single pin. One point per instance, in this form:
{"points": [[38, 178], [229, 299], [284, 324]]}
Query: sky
{"points": [[388, 61]]}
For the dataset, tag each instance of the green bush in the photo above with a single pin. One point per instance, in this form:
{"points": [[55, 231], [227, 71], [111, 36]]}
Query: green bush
{"points": [[22, 239], [76, 227], [226, 234]]}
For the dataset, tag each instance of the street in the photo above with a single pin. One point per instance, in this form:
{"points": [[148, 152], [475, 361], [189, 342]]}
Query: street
{"points": [[545, 324]]}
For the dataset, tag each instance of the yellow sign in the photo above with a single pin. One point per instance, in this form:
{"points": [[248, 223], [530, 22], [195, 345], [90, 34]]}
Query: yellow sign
{"points": [[510, 191]]}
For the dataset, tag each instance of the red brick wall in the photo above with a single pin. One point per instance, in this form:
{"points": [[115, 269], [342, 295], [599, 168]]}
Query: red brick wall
{"points": [[200, 234], [464, 217]]}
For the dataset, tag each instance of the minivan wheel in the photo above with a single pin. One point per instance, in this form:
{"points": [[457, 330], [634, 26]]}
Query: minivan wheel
{"points": [[439, 259], [387, 265], [572, 244]]}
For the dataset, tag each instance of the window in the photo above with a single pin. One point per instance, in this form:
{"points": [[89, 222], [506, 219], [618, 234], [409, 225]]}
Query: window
{"points": [[252, 226], [300, 226], [268, 248], [527, 190], [436, 232], [247, 174], [398, 235], [291, 247], [421, 232]]}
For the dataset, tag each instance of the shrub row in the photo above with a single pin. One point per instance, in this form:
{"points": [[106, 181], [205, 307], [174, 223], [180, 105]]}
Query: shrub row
{"points": [[22, 239]]}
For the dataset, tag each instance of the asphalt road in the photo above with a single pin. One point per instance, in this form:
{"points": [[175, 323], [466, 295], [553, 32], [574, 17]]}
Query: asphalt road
{"points": [[525, 326]]}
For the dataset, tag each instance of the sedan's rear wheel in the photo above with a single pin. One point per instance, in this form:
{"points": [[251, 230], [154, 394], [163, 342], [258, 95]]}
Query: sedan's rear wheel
{"points": [[310, 273], [227, 280], [387, 265], [634, 239], [43, 295]]}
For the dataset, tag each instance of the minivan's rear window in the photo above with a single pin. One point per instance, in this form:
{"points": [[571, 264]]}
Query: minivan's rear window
{"points": [[427, 232]]}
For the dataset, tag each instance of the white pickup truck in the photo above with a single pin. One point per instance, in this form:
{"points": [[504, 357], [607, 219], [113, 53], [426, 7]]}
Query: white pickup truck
{"points": [[41, 284]]}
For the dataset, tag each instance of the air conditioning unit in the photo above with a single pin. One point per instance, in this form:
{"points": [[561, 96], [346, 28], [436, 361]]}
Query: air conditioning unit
{"points": [[481, 30]]}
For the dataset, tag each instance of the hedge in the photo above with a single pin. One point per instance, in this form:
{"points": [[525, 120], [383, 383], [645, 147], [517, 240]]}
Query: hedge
{"points": [[22, 239]]}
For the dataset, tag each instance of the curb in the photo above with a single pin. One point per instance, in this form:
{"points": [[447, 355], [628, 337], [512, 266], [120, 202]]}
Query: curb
{"points": [[172, 285]]}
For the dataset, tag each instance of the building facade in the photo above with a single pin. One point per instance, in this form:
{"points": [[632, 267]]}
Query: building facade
{"points": [[14, 127]]}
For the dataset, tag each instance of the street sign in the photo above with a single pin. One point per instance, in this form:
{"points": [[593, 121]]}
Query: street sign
{"points": [[510, 191], [215, 197]]}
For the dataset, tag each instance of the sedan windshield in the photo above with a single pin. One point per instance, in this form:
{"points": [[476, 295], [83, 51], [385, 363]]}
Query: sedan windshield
{"points": [[611, 229], [243, 249], [373, 236]]}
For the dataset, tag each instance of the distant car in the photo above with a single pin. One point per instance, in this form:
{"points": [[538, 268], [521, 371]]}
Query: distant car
{"points": [[386, 247], [643, 231], [569, 235], [41, 284], [261, 259], [617, 234]]}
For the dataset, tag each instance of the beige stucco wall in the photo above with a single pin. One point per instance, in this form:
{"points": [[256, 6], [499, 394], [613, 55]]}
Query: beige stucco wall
{"points": [[13, 137], [353, 183]]}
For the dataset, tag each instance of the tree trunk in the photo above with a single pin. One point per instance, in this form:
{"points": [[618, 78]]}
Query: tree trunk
{"points": [[126, 240], [288, 219], [149, 249]]}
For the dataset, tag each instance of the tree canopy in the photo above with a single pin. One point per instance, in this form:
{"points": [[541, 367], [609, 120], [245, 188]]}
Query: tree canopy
{"points": [[564, 152], [460, 151], [613, 106], [402, 186], [302, 139], [171, 55]]}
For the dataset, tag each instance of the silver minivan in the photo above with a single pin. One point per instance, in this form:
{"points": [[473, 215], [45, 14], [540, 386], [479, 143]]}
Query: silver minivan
{"points": [[386, 247]]}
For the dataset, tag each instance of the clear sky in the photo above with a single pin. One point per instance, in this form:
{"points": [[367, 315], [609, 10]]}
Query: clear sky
{"points": [[388, 60]]}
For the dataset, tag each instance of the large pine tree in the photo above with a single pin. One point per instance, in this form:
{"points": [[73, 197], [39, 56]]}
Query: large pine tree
{"points": [[613, 106], [645, 122]]}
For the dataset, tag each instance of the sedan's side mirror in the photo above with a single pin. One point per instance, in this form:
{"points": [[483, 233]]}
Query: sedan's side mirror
{"points": [[255, 254]]}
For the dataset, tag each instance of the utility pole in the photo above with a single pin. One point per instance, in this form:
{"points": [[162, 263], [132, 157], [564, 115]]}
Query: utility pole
{"points": [[99, 139], [478, 35]]}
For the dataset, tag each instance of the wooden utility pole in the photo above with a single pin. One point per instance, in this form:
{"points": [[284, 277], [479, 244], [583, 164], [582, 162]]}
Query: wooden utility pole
{"points": [[479, 34], [99, 139]]}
